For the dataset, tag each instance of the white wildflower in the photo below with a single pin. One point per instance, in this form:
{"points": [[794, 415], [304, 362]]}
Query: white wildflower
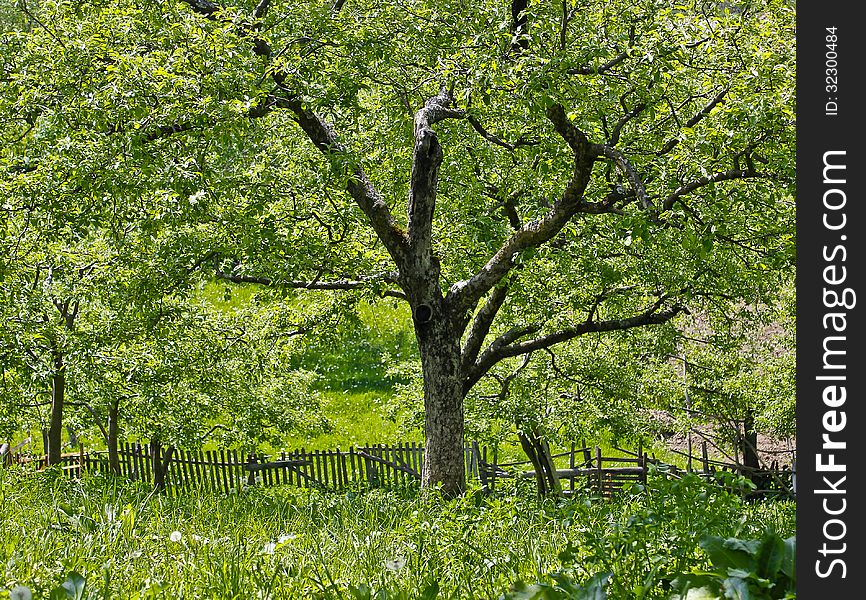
{"points": [[20, 592], [395, 564], [175, 536]]}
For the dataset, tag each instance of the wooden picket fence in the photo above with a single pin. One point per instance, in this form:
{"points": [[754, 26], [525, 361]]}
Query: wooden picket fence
{"points": [[227, 470], [70, 462], [383, 465]]}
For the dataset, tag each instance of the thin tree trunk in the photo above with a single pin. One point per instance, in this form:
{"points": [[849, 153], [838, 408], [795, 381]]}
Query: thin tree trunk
{"points": [[750, 442], [554, 485], [111, 438], [538, 452], [160, 464], [58, 393], [531, 452]]}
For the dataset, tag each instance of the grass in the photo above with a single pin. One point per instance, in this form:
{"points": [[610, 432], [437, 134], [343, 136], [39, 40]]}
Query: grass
{"points": [[292, 543], [355, 418]]}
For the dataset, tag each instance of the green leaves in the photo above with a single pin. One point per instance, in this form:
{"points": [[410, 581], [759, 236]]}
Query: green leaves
{"points": [[565, 588], [730, 553], [71, 589], [150, 144], [760, 569]]}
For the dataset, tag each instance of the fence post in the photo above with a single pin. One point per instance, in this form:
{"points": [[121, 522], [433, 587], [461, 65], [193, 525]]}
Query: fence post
{"points": [[251, 460], [643, 463], [372, 469], [482, 474], [598, 470], [794, 476], [705, 460]]}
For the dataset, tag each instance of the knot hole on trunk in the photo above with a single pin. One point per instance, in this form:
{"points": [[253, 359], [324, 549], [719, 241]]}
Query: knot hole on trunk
{"points": [[423, 313]]}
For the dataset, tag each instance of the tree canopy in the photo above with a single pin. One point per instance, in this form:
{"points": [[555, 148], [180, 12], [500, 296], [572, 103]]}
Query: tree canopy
{"points": [[522, 174]]}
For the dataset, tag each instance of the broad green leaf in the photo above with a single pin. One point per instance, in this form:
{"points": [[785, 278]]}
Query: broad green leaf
{"points": [[770, 556], [728, 553], [788, 566], [736, 589], [74, 586]]}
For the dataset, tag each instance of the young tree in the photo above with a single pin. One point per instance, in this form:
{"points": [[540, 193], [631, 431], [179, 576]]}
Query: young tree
{"points": [[522, 174]]}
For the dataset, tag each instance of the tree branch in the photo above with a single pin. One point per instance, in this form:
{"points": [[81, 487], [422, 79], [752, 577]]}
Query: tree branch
{"points": [[519, 26], [481, 326], [690, 187], [315, 284], [601, 69], [323, 136], [505, 382], [464, 295], [507, 346], [628, 116], [697, 118], [426, 159], [362, 191], [212, 11], [95, 418], [261, 9], [628, 170], [263, 108], [476, 125], [23, 6]]}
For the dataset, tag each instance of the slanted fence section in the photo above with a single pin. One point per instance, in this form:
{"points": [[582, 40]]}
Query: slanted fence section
{"points": [[225, 470], [213, 470], [588, 470]]}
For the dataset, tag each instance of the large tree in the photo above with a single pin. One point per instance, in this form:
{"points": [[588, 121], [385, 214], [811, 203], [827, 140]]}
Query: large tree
{"points": [[522, 174]]}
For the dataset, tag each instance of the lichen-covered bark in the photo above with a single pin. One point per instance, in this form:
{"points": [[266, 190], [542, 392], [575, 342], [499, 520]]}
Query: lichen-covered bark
{"points": [[443, 404]]}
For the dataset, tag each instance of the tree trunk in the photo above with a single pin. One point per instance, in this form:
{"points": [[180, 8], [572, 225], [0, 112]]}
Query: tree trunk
{"points": [[443, 400], [554, 485], [160, 464], [58, 392], [111, 438], [749, 444]]}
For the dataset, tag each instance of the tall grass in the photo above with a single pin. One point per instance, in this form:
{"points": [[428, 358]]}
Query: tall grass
{"points": [[294, 543]]}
